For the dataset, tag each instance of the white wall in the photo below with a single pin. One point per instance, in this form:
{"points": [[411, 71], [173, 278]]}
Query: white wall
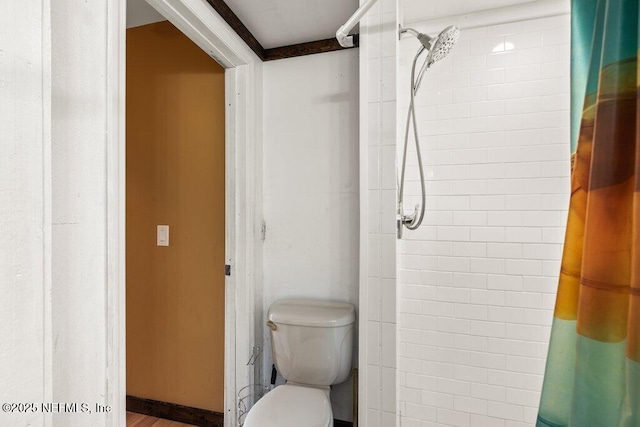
{"points": [[478, 279], [79, 124], [311, 186], [25, 203], [378, 122], [53, 74]]}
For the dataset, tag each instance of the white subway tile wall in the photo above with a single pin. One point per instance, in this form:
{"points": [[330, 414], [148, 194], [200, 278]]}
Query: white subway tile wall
{"points": [[477, 282], [377, 318]]}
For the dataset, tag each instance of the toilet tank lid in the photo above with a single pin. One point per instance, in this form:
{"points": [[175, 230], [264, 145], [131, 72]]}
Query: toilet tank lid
{"points": [[314, 313]]}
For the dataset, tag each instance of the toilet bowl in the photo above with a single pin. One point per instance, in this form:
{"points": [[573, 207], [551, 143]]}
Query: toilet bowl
{"points": [[292, 406], [311, 343]]}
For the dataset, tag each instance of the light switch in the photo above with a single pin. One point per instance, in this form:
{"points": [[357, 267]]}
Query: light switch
{"points": [[163, 235]]}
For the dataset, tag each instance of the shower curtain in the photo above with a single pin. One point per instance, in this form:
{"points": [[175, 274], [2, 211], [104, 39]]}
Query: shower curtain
{"points": [[592, 376]]}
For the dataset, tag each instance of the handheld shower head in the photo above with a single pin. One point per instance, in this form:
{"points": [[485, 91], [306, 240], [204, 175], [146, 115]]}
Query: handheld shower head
{"points": [[437, 48], [443, 44]]}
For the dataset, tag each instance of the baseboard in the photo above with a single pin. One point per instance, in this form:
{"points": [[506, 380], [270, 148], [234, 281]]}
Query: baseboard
{"points": [[171, 411], [186, 414]]}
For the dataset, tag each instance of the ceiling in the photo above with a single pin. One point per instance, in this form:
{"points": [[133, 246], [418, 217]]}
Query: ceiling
{"points": [[423, 10], [139, 12], [276, 23], [283, 22]]}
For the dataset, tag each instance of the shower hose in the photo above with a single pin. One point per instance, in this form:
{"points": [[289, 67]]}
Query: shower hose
{"points": [[413, 220]]}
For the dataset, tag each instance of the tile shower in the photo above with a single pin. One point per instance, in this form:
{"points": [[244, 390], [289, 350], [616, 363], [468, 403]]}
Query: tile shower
{"points": [[476, 283]]}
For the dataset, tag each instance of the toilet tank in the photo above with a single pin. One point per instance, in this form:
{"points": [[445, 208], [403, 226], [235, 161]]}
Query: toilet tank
{"points": [[312, 340]]}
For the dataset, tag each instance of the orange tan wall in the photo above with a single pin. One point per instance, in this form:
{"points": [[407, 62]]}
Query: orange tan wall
{"points": [[175, 176]]}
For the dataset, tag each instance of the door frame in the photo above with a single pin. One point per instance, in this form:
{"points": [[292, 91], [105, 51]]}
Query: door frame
{"points": [[243, 193]]}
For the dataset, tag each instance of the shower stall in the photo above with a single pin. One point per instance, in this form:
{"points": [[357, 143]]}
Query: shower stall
{"points": [[455, 316]]}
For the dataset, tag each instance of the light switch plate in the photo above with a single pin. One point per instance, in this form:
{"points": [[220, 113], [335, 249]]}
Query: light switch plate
{"points": [[163, 235]]}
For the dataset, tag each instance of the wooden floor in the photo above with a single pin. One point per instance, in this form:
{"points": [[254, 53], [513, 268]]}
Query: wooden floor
{"points": [[139, 420]]}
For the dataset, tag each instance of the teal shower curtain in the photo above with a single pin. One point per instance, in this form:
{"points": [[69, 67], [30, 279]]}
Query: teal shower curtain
{"points": [[592, 378]]}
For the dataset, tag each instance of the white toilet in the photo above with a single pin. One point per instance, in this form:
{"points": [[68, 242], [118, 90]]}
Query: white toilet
{"points": [[312, 344]]}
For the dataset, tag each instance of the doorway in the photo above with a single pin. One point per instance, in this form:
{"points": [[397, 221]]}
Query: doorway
{"points": [[175, 168], [243, 195]]}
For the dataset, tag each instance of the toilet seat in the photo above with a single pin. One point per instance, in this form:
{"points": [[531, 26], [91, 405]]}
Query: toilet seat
{"points": [[291, 406]]}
